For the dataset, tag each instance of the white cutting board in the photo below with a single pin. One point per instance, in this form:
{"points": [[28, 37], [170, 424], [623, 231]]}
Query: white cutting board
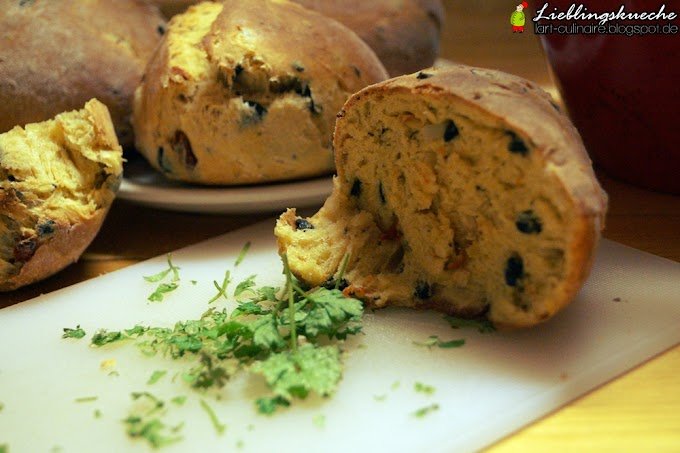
{"points": [[628, 311]]}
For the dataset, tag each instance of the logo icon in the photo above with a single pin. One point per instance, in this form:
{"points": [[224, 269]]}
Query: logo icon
{"points": [[517, 18]]}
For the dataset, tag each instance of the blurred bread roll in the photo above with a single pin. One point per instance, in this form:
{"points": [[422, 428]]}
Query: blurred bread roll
{"points": [[56, 55], [404, 34]]}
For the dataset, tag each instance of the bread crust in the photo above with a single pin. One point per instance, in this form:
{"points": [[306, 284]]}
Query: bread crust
{"points": [[242, 93], [38, 238], [56, 55], [405, 34]]}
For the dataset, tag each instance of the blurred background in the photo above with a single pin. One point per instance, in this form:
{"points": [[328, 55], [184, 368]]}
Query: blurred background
{"points": [[478, 33]]}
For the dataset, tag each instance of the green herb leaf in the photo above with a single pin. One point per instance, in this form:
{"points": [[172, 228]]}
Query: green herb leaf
{"points": [[86, 399], [219, 427], [73, 333], [451, 343], [331, 314], [246, 284], [102, 337], [294, 375], [482, 325], [156, 376], [179, 400], [269, 405], [163, 288], [434, 340], [156, 277], [423, 388], [146, 422], [424, 411]]}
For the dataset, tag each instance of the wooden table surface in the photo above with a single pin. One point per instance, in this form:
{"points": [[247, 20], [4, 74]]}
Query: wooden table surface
{"points": [[639, 411]]}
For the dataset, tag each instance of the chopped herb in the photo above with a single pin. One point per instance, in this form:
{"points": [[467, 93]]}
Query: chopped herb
{"points": [[73, 333], [451, 344], [259, 336], [194, 282], [423, 388], [434, 340], [161, 275], [148, 425], [86, 399], [97, 413], [240, 444], [319, 421], [221, 289], [4, 448], [424, 411], [2, 406], [295, 374], [179, 400], [269, 405], [103, 336], [380, 398], [242, 255], [431, 341], [163, 288], [395, 385], [219, 427], [482, 325], [156, 376], [244, 285]]}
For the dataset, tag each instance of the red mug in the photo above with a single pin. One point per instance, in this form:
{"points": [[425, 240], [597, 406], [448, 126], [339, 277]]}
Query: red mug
{"points": [[619, 77]]}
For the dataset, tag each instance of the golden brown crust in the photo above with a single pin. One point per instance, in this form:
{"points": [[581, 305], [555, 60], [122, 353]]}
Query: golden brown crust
{"points": [[59, 178], [63, 248], [56, 55], [243, 93], [524, 107], [403, 33]]}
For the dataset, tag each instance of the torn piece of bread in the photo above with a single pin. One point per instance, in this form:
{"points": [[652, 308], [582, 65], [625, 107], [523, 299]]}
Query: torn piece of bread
{"points": [[464, 190], [58, 179]]}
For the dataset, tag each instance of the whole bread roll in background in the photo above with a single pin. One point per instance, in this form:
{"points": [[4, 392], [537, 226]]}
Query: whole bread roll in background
{"points": [[55, 55], [58, 179], [404, 34], [248, 92]]}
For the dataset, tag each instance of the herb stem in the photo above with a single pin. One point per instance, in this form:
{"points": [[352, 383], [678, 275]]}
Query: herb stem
{"points": [[342, 271], [291, 304]]}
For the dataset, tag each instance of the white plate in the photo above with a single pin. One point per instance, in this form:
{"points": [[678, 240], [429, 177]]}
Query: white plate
{"points": [[144, 185]]}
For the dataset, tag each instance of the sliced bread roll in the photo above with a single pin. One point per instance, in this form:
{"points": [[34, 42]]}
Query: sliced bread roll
{"points": [[464, 190], [57, 181]]}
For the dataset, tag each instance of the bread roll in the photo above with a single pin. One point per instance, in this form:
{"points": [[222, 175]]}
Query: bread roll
{"points": [[57, 181], [465, 190], [55, 55], [248, 92], [404, 34]]}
